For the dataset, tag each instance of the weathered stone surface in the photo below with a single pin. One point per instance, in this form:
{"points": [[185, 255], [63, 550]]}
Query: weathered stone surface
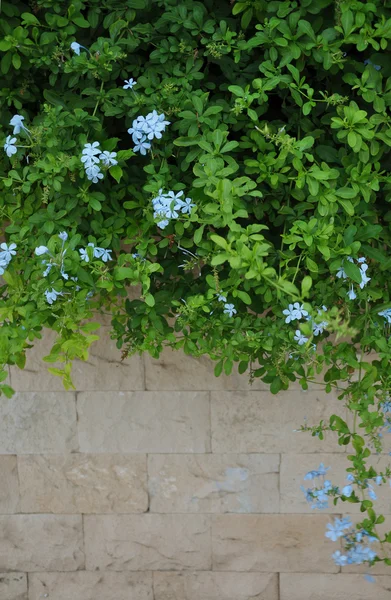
{"points": [[13, 586], [144, 422], [85, 585], [38, 422], [213, 483], [40, 542], [103, 370], [295, 466], [9, 485], [175, 370], [215, 586], [83, 483], [262, 422], [316, 586], [147, 542], [271, 543]]}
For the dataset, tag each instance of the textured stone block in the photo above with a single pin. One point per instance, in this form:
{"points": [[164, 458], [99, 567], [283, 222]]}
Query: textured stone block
{"points": [[317, 586], [103, 370], [213, 483], [147, 542], [215, 586], [85, 585], [13, 586], [261, 422], [271, 543], [174, 370], [83, 483], [144, 422], [295, 466], [9, 485], [35, 422], [41, 542]]}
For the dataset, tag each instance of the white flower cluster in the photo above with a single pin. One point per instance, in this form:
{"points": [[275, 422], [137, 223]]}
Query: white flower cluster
{"points": [[9, 144], [168, 206], [6, 254], [91, 158], [145, 129]]}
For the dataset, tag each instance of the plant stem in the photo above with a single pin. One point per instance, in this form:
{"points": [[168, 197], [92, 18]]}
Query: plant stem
{"points": [[99, 99]]}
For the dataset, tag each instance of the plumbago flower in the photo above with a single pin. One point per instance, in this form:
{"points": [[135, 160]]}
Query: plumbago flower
{"points": [[9, 146], [363, 267], [147, 128], [129, 84], [91, 156], [102, 253], [7, 251], [17, 123], [168, 205], [294, 311]]}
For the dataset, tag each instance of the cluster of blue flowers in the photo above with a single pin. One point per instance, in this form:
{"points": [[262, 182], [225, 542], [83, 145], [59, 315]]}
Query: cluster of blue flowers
{"points": [[7, 251], [145, 129], [168, 205], [51, 295], [341, 274], [103, 253], [9, 145], [91, 158], [295, 312], [357, 551]]}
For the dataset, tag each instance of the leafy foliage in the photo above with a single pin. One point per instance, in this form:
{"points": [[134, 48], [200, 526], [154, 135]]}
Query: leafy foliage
{"points": [[279, 133]]}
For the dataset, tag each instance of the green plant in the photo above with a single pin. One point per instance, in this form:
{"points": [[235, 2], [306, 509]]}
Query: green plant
{"points": [[249, 200]]}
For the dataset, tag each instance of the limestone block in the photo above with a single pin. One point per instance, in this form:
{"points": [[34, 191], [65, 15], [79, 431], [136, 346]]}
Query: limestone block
{"points": [[144, 422], [213, 483], [311, 586], [41, 542], [83, 483], [147, 542], [85, 585], [262, 422], [215, 586], [38, 422], [272, 543], [13, 586], [9, 485]]}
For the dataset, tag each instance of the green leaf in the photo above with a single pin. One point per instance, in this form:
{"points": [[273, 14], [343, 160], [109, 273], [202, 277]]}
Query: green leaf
{"points": [[306, 285], [198, 105], [149, 300], [5, 45], [16, 61], [29, 19], [95, 204], [116, 172], [347, 206], [81, 22], [121, 273], [306, 28], [352, 271], [243, 296], [220, 241]]}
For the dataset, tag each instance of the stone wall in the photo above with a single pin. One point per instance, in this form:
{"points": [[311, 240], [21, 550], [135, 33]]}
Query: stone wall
{"points": [[157, 481]]}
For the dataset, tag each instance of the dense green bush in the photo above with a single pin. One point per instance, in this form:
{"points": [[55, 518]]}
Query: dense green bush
{"points": [[256, 177]]}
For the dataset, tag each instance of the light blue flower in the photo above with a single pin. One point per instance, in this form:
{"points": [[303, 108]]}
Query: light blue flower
{"points": [[221, 298], [129, 84], [40, 250], [318, 328], [386, 313], [187, 205], [63, 236], [340, 559], [76, 48], [94, 173], [371, 492], [102, 253], [368, 62], [364, 278], [63, 274], [386, 406], [9, 146], [341, 273], [379, 480], [319, 472], [7, 252], [300, 338], [108, 158], [229, 309], [162, 224], [142, 146], [84, 252], [294, 311], [359, 554], [336, 530], [17, 124], [369, 578], [350, 478], [48, 268], [52, 295], [347, 491], [89, 154], [351, 293]]}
